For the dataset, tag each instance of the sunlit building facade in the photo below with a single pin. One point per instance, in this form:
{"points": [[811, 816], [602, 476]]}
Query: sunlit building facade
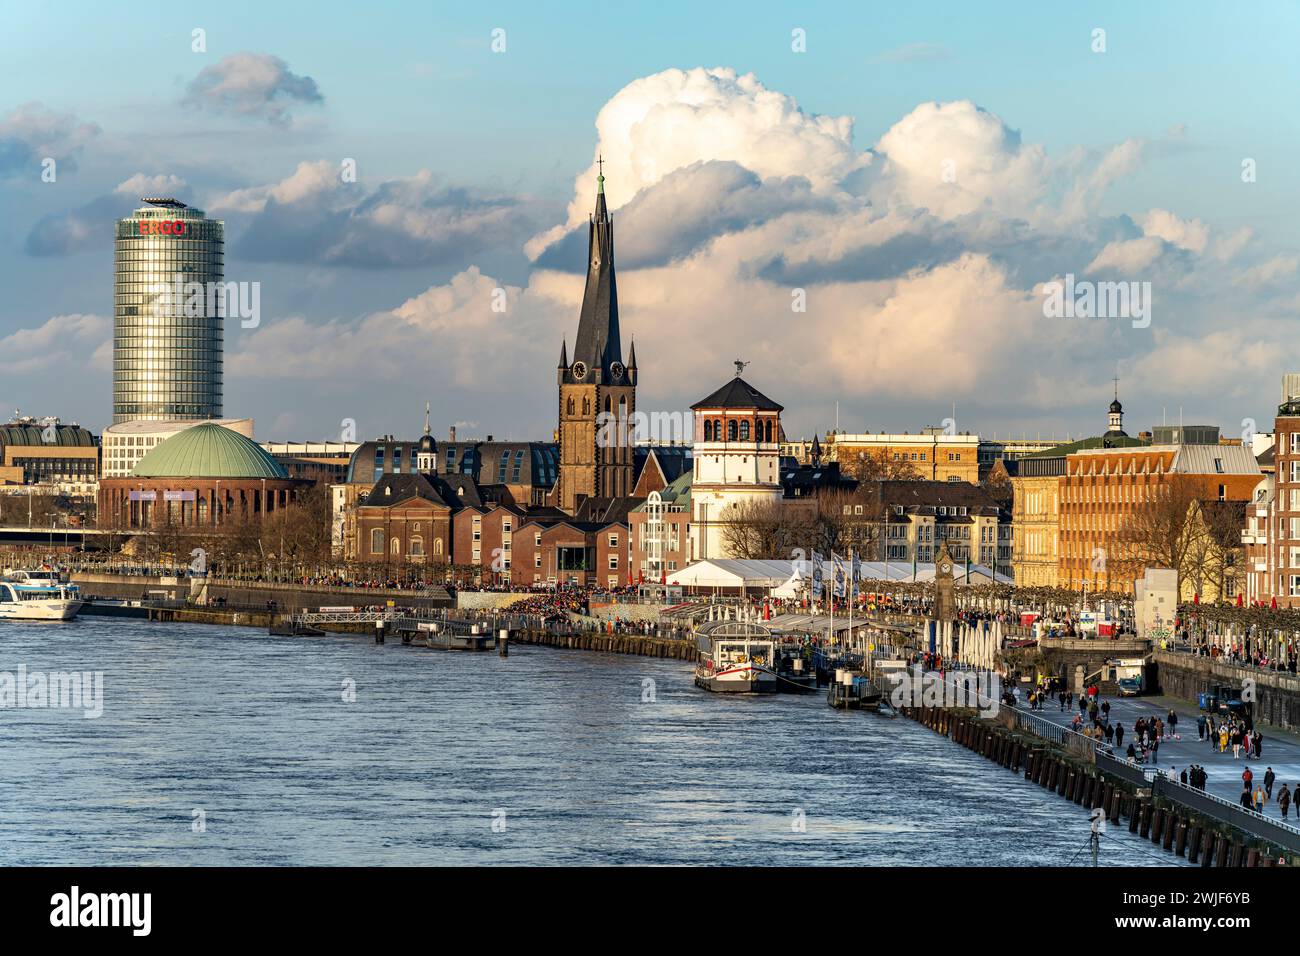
{"points": [[167, 344]]}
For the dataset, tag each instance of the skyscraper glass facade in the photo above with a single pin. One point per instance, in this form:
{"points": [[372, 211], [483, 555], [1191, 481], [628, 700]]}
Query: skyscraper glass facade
{"points": [[168, 341]]}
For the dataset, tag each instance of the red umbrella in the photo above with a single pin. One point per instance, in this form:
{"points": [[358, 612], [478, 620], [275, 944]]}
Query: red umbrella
{"points": [[1238, 599], [1274, 605], [1196, 598]]}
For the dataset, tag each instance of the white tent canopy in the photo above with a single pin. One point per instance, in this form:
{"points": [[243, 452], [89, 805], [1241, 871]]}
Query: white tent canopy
{"points": [[732, 573], [788, 579]]}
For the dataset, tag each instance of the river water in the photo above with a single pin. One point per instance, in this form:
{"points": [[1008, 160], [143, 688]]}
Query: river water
{"points": [[222, 745]]}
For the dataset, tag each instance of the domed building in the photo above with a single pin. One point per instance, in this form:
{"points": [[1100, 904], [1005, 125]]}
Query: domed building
{"points": [[203, 476]]}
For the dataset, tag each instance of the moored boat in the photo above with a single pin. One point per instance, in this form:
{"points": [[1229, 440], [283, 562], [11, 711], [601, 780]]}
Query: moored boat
{"points": [[38, 596], [735, 657]]}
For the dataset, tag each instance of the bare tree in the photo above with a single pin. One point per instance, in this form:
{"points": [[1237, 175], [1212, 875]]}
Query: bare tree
{"points": [[868, 466], [849, 520], [1222, 523], [1163, 531], [766, 528]]}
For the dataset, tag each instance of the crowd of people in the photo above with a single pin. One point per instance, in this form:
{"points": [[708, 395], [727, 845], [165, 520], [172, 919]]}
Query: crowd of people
{"points": [[1245, 654], [1256, 797], [1235, 732]]}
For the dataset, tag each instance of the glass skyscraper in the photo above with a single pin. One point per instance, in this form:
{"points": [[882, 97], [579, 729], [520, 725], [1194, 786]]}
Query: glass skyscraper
{"points": [[167, 324]]}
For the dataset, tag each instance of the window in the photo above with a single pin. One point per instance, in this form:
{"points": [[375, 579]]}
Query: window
{"points": [[731, 430], [377, 541], [613, 540], [537, 539], [613, 562], [708, 430], [396, 546], [417, 547], [744, 431]]}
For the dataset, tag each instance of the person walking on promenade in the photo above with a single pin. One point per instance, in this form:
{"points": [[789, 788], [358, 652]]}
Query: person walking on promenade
{"points": [[1182, 777], [1246, 800], [1284, 800], [1155, 749], [1119, 735], [1247, 776], [1200, 727], [1172, 724], [1269, 779], [1105, 708], [1259, 799], [1110, 733], [1259, 741], [1060, 696]]}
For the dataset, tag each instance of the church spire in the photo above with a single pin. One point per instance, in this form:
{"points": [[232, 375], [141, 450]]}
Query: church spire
{"points": [[597, 346]]}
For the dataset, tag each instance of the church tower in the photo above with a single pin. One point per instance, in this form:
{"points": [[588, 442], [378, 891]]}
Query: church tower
{"points": [[597, 391]]}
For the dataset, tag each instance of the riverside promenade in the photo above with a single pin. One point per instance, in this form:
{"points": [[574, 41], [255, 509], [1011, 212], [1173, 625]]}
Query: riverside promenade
{"points": [[1280, 748]]}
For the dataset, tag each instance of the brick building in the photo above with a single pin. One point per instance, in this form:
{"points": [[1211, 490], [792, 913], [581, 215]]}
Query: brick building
{"points": [[1272, 533], [206, 475]]}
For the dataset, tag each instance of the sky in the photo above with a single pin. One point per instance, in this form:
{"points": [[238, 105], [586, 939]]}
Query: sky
{"points": [[868, 202]]}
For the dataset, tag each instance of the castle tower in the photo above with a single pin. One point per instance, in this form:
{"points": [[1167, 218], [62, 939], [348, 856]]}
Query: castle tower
{"points": [[737, 463], [597, 391]]}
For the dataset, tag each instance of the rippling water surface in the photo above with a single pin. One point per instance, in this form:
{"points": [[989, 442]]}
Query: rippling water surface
{"points": [[255, 732]]}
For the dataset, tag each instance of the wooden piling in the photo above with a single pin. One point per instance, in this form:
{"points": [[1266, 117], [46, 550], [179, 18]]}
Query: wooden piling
{"points": [[1221, 848]]}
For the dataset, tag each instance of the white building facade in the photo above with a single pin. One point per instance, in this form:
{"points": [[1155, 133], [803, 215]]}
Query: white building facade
{"points": [[737, 452]]}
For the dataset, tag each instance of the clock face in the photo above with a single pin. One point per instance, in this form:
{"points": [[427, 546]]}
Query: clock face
{"points": [[945, 568], [617, 369], [579, 369]]}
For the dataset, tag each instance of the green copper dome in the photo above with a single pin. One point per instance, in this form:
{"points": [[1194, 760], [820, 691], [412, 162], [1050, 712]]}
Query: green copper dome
{"points": [[208, 451]]}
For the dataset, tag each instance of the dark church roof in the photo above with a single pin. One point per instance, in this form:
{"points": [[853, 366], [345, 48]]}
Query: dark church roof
{"points": [[671, 460], [453, 491], [393, 488], [738, 393], [606, 510]]}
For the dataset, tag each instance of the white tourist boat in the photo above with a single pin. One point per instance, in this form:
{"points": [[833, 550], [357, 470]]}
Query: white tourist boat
{"points": [[735, 657], [38, 596]]}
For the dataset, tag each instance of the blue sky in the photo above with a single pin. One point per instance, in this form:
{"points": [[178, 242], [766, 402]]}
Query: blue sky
{"points": [[407, 87]]}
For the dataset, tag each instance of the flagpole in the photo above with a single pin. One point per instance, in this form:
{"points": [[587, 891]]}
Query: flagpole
{"points": [[850, 590], [830, 599]]}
